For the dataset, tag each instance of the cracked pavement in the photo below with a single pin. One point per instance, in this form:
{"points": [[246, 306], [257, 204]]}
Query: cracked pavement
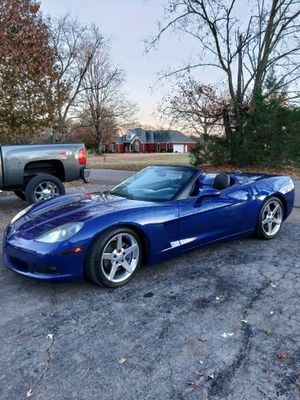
{"points": [[160, 337]]}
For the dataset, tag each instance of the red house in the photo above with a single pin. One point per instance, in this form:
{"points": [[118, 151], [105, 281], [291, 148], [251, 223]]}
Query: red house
{"points": [[139, 141]]}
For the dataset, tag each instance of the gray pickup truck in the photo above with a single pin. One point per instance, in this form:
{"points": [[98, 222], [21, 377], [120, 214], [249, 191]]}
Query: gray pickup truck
{"points": [[36, 172]]}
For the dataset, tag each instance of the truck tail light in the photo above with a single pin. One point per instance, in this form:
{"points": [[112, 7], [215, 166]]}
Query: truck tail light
{"points": [[82, 157]]}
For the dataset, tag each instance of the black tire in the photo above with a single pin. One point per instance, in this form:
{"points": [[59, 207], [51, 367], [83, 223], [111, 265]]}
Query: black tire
{"points": [[20, 194], [39, 181], [94, 264], [261, 230]]}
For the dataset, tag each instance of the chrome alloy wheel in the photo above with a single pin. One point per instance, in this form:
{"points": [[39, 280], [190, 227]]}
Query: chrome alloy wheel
{"points": [[45, 190], [120, 257], [272, 217]]}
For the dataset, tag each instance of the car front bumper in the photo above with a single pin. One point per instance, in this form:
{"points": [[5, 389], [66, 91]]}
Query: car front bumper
{"points": [[29, 258]]}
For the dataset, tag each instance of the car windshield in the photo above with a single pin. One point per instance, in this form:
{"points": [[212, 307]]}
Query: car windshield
{"points": [[157, 183]]}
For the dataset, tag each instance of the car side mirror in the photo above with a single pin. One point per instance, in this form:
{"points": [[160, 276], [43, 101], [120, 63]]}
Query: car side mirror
{"points": [[207, 193]]}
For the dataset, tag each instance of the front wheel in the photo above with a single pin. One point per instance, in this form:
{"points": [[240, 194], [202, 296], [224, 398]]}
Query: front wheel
{"points": [[270, 219], [114, 258], [43, 187]]}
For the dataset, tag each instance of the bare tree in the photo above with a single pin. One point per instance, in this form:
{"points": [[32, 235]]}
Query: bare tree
{"points": [[244, 53], [75, 47], [104, 107], [194, 107]]}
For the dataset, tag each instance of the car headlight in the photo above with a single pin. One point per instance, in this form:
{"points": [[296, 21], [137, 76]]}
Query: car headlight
{"points": [[20, 214], [61, 233]]}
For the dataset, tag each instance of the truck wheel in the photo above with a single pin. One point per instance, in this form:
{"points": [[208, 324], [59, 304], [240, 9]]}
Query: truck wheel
{"points": [[20, 194], [43, 187]]}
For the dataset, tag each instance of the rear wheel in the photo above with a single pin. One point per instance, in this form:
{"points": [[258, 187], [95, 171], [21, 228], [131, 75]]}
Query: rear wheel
{"points": [[20, 194], [114, 258], [270, 219], [43, 187]]}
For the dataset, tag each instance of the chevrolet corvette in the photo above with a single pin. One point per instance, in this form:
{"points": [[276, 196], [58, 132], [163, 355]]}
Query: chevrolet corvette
{"points": [[158, 213]]}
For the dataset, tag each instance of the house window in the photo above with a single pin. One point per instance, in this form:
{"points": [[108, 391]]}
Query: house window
{"points": [[137, 146], [157, 147]]}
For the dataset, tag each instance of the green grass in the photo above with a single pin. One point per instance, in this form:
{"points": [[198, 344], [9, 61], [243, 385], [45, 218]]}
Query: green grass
{"points": [[137, 161]]}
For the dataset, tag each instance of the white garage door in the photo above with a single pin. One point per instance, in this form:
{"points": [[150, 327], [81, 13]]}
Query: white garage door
{"points": [[178, 148]]}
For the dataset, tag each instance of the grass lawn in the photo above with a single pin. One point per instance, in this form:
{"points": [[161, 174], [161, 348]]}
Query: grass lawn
{"points": [[138, 161]]}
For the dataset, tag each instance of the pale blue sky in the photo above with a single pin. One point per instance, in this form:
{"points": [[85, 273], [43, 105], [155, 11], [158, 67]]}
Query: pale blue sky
{"points": [[128, 23]]}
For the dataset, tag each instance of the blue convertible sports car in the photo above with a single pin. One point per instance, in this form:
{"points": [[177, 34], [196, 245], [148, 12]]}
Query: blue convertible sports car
{"points": [[156, 214]]}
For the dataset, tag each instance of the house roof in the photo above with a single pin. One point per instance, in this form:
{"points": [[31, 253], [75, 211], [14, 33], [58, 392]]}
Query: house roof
{"points": [[171, 137], [166, 136], [119, 139]]}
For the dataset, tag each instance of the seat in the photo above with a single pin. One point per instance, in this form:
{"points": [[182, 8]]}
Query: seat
{"points": [[222, 181]]}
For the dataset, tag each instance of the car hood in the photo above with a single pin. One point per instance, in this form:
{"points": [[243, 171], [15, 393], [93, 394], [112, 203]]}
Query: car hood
{"points": [[53, 213]]}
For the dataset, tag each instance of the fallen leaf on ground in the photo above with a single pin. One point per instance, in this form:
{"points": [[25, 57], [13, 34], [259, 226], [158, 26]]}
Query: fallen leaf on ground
{"points": [[193, 384], [29, 393], [122, 360], [202, 339], [268, 331], [200, 372], [50, 336], [226, 335], [282, 355]]}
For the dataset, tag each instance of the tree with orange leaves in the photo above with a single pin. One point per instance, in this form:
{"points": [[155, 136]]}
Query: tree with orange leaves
{"points": [[27, 67]]}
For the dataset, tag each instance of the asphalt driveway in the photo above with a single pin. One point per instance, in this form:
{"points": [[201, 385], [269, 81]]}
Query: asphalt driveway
{"points": [[218, 323]]}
